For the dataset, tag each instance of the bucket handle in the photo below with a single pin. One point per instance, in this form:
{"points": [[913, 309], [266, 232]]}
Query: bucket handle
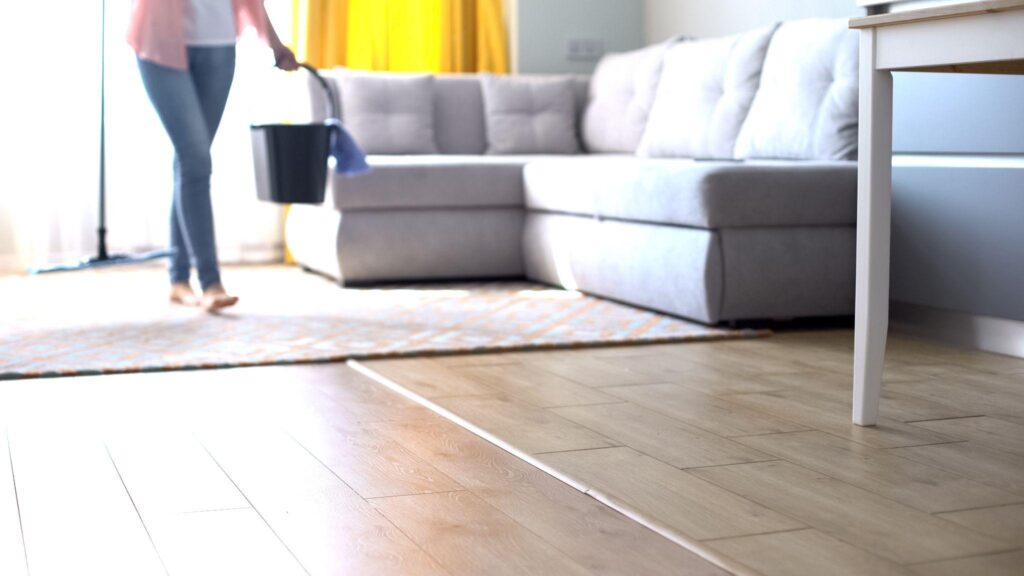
{"points": [[332, 106]]}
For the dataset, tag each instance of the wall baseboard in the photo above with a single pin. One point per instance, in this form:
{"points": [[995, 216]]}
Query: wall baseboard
{"points": [[999, 335]]}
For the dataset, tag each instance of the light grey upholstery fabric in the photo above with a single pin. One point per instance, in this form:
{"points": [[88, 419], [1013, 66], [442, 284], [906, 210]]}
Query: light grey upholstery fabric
{"points": [[459, 126], [311, 234], [780, 273], [621, 95], [390, 113], [807, 104], [706, 275], [703, 96], [459, 115], [667, 268], [430, 244], [692, 193], [433, 181], [530, 115]]}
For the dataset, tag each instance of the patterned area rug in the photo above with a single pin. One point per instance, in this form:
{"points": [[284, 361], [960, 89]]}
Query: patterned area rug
{"points": [[113, 321]]}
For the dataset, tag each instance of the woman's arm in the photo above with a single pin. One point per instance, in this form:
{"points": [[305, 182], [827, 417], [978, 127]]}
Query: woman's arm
{"points": [[283, 55]]}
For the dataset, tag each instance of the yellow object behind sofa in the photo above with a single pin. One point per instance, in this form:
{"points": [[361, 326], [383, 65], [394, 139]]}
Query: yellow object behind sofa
{"points": [[403, 35]]}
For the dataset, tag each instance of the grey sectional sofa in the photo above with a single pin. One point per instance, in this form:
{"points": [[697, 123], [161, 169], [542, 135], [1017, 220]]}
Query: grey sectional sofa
{"points": [[715, 179]]}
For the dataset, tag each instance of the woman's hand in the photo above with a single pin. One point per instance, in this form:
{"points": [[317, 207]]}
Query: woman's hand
{"points": [[284, 58]]}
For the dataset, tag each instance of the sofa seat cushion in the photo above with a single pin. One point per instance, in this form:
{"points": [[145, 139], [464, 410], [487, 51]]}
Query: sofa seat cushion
{"points": [[711, 194], [433, 181]]}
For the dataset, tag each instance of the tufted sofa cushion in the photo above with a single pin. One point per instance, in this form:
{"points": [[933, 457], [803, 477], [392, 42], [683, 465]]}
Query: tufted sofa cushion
{"points": [[530, 115], [390, 113], [806, 107], [621, 95], [705, 91]]}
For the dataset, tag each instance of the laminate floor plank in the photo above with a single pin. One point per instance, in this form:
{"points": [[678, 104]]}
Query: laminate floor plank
{"points": [[1006, 564], [468, 536], [672, 367], [535, 386], [1002, 522], [672, 441], [372, 465], [988, 362], [355, 397], [77, 517], [12, 548], [167, 471], [694, 375], [743, 357], [884, 473], [984, 431], [856, 516], [430, 377], [979, 463], [221, 542], [894, 406], [322, 521], [831, 414], [595, 371], [593, 535], [669, 496], [805, 552], [979, 398], [710, 413], [526, 427]]}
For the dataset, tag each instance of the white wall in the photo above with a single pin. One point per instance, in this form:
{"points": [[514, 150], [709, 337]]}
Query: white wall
{"points": [[540, 31], [703, 18]]}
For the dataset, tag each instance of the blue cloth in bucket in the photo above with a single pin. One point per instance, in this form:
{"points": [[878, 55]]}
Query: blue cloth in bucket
{"points": [[349, 158]]}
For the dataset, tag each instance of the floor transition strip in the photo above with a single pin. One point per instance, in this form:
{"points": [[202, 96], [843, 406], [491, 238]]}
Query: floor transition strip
{"points": [[690, 544]]}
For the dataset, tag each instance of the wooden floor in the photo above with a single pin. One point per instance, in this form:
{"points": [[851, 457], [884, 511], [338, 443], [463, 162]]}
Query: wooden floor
{"points": [[280, 471], [745, 449]]}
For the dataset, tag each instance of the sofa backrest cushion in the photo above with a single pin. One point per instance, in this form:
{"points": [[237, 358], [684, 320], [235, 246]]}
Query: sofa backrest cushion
{"points": [[530, 115], [390, 113], [459, 114], [806, 107], [704, 94], [621, 95]]}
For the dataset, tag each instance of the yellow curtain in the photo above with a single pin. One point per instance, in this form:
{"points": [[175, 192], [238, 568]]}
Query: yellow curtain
{"points": [[402, 35]]}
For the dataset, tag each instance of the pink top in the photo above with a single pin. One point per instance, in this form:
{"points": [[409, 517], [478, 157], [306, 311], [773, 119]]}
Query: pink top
{"points": [[157, 28]]}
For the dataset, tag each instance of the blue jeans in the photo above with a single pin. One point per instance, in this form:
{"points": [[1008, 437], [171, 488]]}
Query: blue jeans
{"points": [[190, 104]]}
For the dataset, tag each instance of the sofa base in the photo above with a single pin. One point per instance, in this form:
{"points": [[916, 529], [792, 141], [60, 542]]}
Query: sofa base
{"points": [[360, 246], [705, 275]]}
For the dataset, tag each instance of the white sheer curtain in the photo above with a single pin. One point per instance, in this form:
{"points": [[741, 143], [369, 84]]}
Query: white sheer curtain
{"points": [[49, 184]]}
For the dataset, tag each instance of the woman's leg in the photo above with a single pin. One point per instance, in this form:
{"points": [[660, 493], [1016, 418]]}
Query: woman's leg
{"points": [[213, 69], [180, 266], [190, 104]]}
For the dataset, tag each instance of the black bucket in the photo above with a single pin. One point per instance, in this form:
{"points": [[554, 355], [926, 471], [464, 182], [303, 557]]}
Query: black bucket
{"points": [[291, 159]]}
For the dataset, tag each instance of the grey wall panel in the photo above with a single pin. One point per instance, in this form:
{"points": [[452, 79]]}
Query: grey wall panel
{"points": [[543, 30], [958, 239], [958, 113]]}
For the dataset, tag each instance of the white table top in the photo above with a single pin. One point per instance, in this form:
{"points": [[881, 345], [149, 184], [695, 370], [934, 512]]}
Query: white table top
{"points": [[937, 13]]}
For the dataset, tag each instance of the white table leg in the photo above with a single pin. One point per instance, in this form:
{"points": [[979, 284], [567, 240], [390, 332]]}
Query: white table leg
{"points": [[874, 205]]}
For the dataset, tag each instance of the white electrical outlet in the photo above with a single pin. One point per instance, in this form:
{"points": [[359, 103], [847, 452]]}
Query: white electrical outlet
{"points": [[584, 49]]}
